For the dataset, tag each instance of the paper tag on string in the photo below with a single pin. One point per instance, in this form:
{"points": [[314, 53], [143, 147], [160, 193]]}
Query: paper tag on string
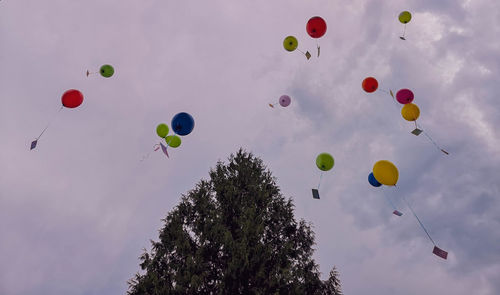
{"points": [[440, 252], [416, 131], [308, 55], [315, 193], [396, 212], [33, 144]]}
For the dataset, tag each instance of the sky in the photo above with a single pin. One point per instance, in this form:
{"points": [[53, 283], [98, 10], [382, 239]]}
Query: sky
{"points": [[77, 212]]}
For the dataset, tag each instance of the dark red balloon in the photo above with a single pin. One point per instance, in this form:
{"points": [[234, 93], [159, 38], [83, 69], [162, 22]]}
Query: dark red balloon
{"points": [[72, 98], [316, 27], [369, 84]]}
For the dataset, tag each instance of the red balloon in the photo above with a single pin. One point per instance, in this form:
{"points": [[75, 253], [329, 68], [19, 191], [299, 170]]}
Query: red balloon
{"points": [[370, 84], [72, 98], [316, 27]]}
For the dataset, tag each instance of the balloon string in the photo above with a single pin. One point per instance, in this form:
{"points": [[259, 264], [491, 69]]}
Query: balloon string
{"points": [[418, 219], [404, 30], [320, 177], [391, 95], [430, 138], [50, 121], [390, 202]]}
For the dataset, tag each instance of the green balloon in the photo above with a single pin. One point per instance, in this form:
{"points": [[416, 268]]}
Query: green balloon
{"points": [[173, 141], [290, 43], [405, 17], [162, 130], [107, 71], [324, 161]]}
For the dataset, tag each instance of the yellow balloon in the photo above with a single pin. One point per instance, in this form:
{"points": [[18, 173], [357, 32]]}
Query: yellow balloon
{"points": [[410, 112], [385, 172], [290, 43], [405, 17]]}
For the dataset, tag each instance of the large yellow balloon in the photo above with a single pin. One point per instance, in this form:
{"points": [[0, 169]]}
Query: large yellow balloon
{"points": [[290, 43], [405, 17], [385, 172], [410, 112]]}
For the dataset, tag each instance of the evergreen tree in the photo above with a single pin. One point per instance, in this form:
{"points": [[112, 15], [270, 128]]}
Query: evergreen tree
{"points": [[232, 234], [332, 285]]}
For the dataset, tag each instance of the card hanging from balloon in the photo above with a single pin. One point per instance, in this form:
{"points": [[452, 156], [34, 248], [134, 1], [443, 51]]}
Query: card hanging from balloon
{"points": [[440, 252], [397, 213], [315, 193], [164, 149], [33, 144], [307, 54], [416, 131]]}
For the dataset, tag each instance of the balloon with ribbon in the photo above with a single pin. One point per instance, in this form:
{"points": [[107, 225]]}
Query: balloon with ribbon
{"points": [[370, 85], [283, 101], [316, 28], [324, 162], [70, 99], [404, 18], [290, 43], [106, 71]]}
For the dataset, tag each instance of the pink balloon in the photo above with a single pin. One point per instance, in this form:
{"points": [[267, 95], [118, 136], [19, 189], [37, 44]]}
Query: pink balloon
{"points": [[404, 96], [285, 100]]}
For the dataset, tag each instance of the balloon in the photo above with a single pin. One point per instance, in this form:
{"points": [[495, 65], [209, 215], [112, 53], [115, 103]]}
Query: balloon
{"points": [[72, 98], [173, 141], [405, 17], [162, 130], [373, 181], [324, 161], [107, 71], [410, 112], [290, 43], [369, 84], [404, 96], [182, 124], [385, 172], [285, 100], [316, 27]]}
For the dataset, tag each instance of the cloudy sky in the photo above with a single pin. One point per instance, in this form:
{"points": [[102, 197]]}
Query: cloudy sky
{"points": [[76, 212]]}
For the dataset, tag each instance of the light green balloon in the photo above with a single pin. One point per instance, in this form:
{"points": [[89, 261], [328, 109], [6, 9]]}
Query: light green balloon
{"points": [[162, 130], [405, 17], [173, 141], [324, 161], [107, 71]]}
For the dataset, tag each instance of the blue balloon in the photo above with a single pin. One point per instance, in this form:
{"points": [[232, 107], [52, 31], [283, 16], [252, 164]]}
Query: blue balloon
{"points": [[373, 181], [182, 124]]}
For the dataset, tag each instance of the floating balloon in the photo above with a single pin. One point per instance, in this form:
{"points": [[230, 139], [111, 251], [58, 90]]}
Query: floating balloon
{"points": [[162, 130], [369, 84], [173, 141], [410, 112], [404, 96], [291, 44], [284, 101], [316, 27], [70, 99], [404, 17], [385, 172], [182, 124], [373, 181], [324, 161], [107, 71]]}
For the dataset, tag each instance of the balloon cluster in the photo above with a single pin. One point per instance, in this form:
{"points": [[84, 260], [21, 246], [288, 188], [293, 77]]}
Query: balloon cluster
{"points": [[182, 124]]}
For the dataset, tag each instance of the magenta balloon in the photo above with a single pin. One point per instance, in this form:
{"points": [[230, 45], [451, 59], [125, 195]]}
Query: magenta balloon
{"points": [[285, 100], [404, 96]]}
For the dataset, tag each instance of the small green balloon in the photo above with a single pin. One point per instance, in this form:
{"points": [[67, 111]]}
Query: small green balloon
{"points": [[173, 141], [324, 161], [405, 17], [290, 43], [107, 71], [162, 130]]}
